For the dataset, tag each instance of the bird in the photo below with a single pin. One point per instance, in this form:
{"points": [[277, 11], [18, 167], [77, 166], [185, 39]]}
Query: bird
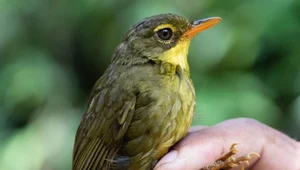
{"points": [[144, 102]]}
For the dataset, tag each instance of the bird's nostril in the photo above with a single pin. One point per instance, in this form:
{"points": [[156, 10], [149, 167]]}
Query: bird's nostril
{"points": [[197, 22]]}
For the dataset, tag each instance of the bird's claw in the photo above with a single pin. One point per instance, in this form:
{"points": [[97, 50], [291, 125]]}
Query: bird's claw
{"points": [[227, 161]]}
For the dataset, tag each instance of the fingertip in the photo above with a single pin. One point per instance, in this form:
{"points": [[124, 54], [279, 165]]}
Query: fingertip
{"points": [[177, 164], [167, 159]]}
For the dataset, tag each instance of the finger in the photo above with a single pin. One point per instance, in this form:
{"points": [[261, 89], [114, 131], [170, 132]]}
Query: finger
{"points": [[196, 128], [195, 156]]}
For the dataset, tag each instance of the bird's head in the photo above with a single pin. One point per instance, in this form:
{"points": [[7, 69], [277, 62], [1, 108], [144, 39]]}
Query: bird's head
{"points": [[164, 37]]}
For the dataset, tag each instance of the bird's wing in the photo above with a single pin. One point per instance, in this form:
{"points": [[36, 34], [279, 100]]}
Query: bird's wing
{"points": [[100, 132]]}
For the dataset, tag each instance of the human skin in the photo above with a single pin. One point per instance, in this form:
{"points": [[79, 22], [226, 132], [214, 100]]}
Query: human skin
{"points": [[203, 145]]}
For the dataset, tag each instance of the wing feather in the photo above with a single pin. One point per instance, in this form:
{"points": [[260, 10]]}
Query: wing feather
{"points": [[100, 132]]}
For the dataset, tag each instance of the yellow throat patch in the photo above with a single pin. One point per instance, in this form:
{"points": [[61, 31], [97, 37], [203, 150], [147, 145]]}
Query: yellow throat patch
{"points": [[177, 55]]}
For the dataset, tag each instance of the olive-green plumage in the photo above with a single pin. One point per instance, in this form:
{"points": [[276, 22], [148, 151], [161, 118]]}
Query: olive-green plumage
{"points": [[143, 103]]}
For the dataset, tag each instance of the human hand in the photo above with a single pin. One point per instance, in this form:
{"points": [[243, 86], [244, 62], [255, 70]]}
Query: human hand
{"points": [[203, 145]]}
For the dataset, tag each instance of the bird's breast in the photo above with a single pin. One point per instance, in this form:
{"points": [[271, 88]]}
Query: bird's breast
{"points": [[179, 118], [164, 110]]}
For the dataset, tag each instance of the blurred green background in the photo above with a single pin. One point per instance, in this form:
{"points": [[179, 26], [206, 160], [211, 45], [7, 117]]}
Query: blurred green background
{"points": [[52, 52]]}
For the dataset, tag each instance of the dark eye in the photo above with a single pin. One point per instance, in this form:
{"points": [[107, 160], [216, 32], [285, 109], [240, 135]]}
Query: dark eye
{"points": [[165, 33]]}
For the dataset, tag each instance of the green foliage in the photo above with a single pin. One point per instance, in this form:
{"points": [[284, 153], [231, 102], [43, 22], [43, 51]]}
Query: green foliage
{"points": [[52, 52]]}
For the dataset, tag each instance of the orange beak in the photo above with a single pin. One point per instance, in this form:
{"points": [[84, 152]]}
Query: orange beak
{"points": [[201, 25]]}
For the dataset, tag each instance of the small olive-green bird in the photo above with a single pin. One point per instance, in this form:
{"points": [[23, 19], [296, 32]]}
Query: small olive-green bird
{"points": [[145, 100]]}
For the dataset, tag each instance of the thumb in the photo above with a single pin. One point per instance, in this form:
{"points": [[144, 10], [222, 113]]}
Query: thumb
{"points": [[199, 153]]}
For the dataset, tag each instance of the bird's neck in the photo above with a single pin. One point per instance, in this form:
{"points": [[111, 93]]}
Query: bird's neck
{"points": [[170, 69], [177, 55], [169, 62]]}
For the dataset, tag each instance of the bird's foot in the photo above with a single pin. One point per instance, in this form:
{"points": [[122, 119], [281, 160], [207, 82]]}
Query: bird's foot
{"points": [[227, 161]]}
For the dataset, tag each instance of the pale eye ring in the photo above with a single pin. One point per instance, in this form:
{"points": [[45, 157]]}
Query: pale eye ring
{"points": [[165, 33]]}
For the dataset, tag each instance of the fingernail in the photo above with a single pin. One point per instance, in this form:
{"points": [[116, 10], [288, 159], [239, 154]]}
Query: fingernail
{"points": [[169, 157]]}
